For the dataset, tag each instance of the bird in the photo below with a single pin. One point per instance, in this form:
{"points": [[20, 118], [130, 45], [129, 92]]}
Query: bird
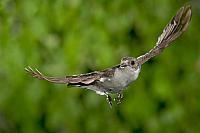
{"points": [[116, 79]]}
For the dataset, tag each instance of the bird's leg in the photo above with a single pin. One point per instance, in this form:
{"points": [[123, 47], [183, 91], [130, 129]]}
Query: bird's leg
{"points": [[109, 99], [119, 98]]}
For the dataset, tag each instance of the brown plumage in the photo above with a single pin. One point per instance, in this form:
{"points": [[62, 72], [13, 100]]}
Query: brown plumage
{"points": [[173, 30], [82, 78]]}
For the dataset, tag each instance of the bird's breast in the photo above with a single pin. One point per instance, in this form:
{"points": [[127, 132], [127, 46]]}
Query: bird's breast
{"points": [[123, 77]]}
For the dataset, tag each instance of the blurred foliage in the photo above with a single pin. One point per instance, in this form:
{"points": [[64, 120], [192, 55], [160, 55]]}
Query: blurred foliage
{"points": [[64, 37]]}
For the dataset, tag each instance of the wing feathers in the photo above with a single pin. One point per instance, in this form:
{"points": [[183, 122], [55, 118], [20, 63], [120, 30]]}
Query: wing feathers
{"points": [[82, 79], [37, 74], [172, 31]]}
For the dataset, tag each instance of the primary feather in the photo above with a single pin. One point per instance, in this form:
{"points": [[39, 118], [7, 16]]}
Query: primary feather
{"points": [[172, 31]]}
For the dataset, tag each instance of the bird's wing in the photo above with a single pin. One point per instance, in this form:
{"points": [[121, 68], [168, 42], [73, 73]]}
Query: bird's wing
{"points": [[76, 79], [173, 30]]}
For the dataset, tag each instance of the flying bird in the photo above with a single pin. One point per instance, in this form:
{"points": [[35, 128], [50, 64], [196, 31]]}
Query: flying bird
{"points": [[115, 79]]}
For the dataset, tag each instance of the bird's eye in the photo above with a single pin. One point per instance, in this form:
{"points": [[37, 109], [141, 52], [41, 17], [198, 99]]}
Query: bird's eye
{"points": [[132, 62]]}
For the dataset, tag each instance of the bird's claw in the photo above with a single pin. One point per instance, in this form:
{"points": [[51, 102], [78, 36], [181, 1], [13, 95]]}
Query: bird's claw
{"points": [[119, 98], [109, 100]]}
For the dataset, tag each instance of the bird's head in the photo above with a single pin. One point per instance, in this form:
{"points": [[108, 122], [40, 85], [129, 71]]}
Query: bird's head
{"points": [[129, 61]]}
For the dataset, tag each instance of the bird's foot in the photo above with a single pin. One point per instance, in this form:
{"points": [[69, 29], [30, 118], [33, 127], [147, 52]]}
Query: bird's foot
{"points": [[109, 100], [119, 98]]}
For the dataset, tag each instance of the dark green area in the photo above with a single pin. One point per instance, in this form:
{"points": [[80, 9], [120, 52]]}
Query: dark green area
{"points": [[64, 37]]}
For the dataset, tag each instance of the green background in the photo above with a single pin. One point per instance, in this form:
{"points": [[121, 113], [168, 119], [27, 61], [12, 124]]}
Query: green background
{"points": [[64, 37]]}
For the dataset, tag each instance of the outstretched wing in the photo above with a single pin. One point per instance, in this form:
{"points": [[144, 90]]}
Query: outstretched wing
{"points": [[82, 79], [173, 30]]}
